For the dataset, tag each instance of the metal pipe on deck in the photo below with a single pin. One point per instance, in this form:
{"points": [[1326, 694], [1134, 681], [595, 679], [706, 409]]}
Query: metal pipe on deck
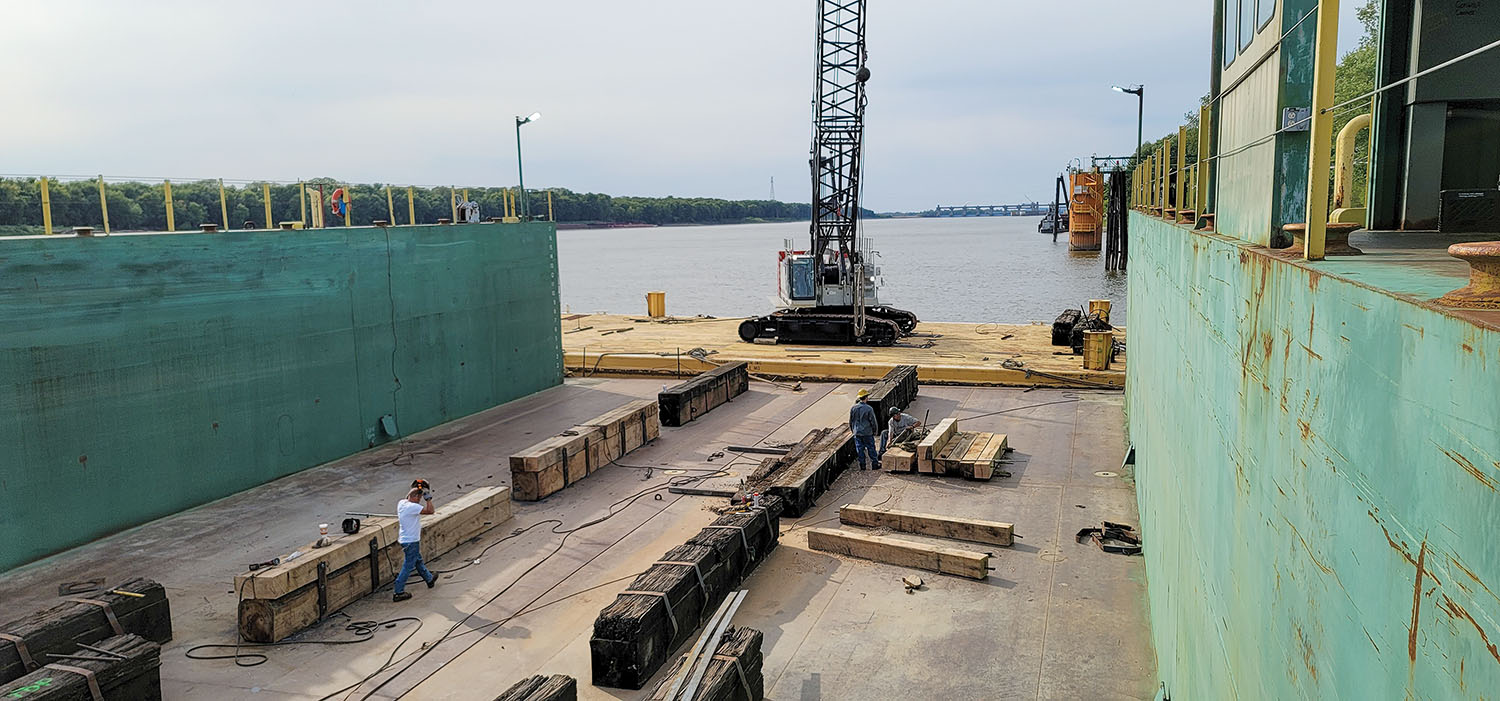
{"points": [[1325, 57]]}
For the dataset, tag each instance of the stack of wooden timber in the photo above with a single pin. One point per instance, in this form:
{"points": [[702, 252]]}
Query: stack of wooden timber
{"points": [[665, 605], [947, 451], [895, 391], [698, 396], [278, 601], [906, 553], [734, 672], [558, 687], [61, 628], [804, 473], [551, 465], [123, 667]]}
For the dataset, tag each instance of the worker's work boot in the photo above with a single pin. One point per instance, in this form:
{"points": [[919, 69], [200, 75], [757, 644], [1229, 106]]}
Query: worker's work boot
{"points": [[403, 596], [432, 582]]}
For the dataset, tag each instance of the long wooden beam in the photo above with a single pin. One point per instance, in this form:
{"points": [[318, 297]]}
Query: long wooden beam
{"points": [[962, 563], [970, 529]]}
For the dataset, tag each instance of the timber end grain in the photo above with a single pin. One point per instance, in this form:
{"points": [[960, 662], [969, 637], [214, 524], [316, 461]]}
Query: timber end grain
{"points": [[60, 628]]}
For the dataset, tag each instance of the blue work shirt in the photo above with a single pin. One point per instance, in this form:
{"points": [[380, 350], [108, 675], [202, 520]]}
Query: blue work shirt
{"points": [[862, 420]]}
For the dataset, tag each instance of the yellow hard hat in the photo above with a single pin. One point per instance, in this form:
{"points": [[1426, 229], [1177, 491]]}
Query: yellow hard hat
{"points": [[864, 393]]}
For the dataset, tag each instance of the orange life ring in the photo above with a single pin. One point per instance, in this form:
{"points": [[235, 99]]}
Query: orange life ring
{"points": [[336, 202]]}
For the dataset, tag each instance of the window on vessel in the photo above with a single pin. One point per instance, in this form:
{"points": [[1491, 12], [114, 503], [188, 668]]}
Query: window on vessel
{"points": [[1231, 14], [1266, 10], [1247, 23]]}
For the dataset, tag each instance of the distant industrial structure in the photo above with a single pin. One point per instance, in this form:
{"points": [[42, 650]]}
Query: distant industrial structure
{"points": [[1025, 209]]}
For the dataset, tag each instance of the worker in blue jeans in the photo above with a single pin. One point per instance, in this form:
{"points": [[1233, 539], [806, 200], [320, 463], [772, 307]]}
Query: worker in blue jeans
{"points": [[409, 512], [865, 425]]}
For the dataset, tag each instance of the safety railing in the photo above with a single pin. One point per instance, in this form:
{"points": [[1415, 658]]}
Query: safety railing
{"points": [[83, 203], [1173, 182]]}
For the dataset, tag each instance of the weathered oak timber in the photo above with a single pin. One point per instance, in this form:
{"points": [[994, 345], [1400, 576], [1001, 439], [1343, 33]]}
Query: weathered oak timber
{"points": [[962, 563], [684, 402], [971, 455], [133, 672], [60, 628], [898, 459], [975, 530], [663, 606], [896, 390], [809, 468], [282, 600], [735, 670], [558, 687]]}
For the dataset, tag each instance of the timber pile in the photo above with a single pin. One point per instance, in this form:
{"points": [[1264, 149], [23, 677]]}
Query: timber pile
{"points": [[700, 395], [906, 553], [1062, 327], [61, 628], [975, 530], [734, 672], [948, 451], [557, 462], [131, 669], [278, 601], [804, 473], [558, 687], [896, 390], [663, 607]]}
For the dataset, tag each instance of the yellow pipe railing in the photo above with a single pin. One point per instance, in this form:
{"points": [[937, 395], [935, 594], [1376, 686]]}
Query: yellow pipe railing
{"points": [[103, 203], [1324, 61], [166, 196], [1343, 178], [46, 208]]}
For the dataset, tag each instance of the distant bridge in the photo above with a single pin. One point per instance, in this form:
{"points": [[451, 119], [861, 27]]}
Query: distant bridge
{"points": [[1027, 209]]}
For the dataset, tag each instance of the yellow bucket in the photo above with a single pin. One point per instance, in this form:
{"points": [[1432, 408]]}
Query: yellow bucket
{"points": [[1100, 307], [1096, 349], [656, 304]]}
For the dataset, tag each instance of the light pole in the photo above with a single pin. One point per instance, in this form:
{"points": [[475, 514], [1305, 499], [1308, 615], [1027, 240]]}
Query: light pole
{"points": [[1139, 92], [520, 172]]}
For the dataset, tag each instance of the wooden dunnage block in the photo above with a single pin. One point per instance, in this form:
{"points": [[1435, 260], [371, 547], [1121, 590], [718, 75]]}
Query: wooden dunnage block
{"points": [[558, 687], [893, 551], [935, 441], [975, 530], [898, 460], [685, 402], [949, 460], [279, 601], [133, 672], [551, 465], [60, 628], [735, 670], [989, 455]]}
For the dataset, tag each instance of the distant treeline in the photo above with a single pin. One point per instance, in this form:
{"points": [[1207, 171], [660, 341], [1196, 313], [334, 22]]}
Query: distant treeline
{"points": [[141, 206]]}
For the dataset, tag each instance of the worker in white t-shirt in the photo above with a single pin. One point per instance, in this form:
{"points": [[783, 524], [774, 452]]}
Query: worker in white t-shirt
{"points": [[409, 512]]}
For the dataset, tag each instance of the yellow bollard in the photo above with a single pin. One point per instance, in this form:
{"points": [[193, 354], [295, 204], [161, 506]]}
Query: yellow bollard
{"points": [[656, 304], [389, 206], [265, 193], [166, 196], [46, 208], [104, 204], [411, 207], [1325, 57], [223, 208]]}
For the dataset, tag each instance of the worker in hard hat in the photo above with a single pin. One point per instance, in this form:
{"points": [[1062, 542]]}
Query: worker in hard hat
{"points": [[898, 425], [864, 424]]}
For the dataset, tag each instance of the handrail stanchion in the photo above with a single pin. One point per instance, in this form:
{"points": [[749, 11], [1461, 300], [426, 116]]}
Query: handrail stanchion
{"points": [[46, 208], [103, 203], [166, 197]]}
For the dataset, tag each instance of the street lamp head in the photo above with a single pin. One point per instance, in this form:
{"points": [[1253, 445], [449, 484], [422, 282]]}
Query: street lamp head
{"points": [[1116, 88], [1137, 90], [528, 119]]}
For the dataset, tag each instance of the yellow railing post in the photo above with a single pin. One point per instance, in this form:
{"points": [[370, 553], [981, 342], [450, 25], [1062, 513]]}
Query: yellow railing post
{"points": [[46, 208], [302, 201], [223, 207], [411, 206], [348, 205], [1166, 177], [1205, 138], [265, 192], [390, 206], [1181, 168], [549, 207], [103, 203], [453, 204], [166, 197], [1325, 58]]}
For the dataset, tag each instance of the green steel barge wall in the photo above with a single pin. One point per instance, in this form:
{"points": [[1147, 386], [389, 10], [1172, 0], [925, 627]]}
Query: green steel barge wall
{"points": [[145, 374], [1317, 465]]}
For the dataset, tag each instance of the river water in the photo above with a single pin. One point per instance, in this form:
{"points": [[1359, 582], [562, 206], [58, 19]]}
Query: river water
{"points": [[974, 269]]}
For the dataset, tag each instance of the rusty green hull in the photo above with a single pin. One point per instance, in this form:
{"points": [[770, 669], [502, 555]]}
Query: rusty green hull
{"points": [[144, 374], [1318, 457]]}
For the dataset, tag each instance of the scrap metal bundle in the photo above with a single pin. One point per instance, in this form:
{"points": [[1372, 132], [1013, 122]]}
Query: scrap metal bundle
{"points": [[734, 672], [664, 605], [687, 401], [558, 687], [27, 642], [120, 667]]}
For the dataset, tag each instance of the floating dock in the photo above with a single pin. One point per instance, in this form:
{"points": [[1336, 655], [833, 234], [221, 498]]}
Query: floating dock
{"points": [[1020, 355]]}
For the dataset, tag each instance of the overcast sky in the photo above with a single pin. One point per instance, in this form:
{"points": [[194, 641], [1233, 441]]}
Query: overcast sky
{"points": [[970, 102]]}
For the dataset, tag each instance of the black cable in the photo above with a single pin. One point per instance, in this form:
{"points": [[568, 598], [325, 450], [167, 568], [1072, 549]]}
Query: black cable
{"points": [[364, 631]]}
